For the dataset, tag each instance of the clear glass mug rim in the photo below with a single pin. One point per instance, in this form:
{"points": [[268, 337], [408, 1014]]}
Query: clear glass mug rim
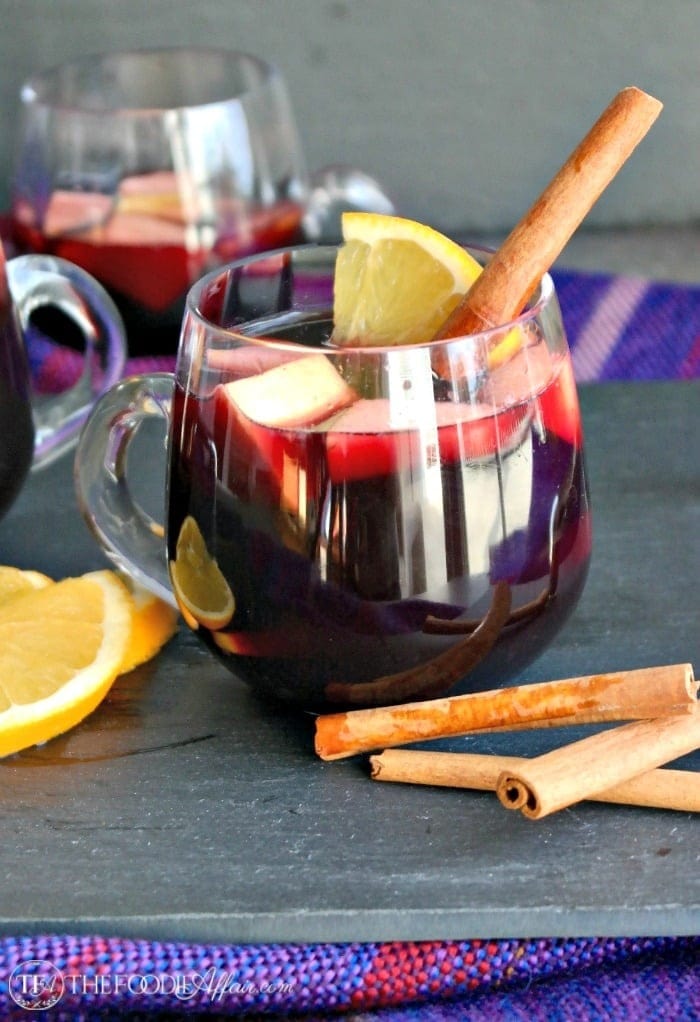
{"points": [[36, 91], [544, 290]]}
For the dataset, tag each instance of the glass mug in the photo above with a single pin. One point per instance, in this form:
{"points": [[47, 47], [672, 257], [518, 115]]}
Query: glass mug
{"points": [[150, 168], [36, 429], [357, 526]]}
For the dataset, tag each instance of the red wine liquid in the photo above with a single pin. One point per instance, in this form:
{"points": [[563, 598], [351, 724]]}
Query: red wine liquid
{"points": [[148, 262], [338, 539]]}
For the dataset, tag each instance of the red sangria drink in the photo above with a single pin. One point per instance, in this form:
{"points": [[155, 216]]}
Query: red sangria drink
{"points": [[370, 525], [147, 247], [149, 169]]}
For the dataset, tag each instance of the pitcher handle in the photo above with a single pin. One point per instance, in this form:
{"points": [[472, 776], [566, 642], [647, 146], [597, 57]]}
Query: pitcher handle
{"points": [[37, 281], [333, 190], [130, 537]]}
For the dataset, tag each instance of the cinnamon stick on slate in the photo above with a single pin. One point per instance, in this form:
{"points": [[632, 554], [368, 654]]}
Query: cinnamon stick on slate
{"points": [[624, 695], [655, 789]]}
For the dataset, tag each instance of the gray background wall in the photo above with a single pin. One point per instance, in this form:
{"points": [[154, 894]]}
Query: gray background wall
{"points": [[463, 108]]}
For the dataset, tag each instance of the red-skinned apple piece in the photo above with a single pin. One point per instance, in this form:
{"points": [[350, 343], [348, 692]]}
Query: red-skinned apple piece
{"points": [[362, 441]]}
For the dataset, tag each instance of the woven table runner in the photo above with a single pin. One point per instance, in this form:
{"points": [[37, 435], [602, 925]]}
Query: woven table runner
{"points": [[619, 328], [90, 978]]}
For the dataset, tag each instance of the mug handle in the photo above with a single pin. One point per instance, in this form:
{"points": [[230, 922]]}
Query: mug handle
{"points": [[129, 536], [37, 281]]}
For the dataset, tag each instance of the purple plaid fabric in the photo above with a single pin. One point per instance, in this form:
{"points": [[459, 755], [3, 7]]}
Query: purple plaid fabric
{"points": [[629, 328], [74, 978], [619, 328]]}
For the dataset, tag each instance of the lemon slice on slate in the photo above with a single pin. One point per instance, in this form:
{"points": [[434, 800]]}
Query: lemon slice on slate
{"points": [[61, 647]]}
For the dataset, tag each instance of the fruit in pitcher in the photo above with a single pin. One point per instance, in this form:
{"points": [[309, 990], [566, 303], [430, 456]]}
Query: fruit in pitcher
{"points": [[144, 242]]}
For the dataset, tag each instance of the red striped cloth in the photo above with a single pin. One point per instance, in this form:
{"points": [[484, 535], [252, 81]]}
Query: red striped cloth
{"points": [[619, 328]]}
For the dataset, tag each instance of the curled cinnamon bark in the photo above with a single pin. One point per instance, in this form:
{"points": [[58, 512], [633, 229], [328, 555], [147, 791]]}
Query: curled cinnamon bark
{"points": [[658, 789], [458, 626], [594, 764], [438, 675]]}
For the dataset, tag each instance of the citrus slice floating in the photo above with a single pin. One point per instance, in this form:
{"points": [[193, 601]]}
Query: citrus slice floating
{"points": [[202, 592], [154, 622], [156, 194], [61, 647], [396, 281]]}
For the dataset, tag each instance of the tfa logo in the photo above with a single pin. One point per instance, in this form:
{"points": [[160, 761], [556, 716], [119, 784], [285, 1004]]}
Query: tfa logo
{"points": [[36, 985]]}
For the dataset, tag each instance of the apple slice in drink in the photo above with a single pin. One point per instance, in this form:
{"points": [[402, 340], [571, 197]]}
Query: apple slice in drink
{"points": [[363, 442], [534, 371], [69, 212], [301, 392], [267, 417], [559, 406]]}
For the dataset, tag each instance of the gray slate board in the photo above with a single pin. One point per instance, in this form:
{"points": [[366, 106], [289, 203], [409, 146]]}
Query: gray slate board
{"points": [[184, 810]]}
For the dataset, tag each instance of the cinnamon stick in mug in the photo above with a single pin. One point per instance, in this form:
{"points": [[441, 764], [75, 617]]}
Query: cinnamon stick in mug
{"points": [[577, 771], [655, 789], [500, 293], [626, 695]]}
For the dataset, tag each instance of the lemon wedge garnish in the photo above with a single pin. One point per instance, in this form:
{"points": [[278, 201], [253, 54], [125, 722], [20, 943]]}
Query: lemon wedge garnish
{"points": [[396, 280]]}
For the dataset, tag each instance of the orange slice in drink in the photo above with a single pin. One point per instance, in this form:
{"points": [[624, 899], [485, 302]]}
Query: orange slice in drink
{"points": [[202, 592]]}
